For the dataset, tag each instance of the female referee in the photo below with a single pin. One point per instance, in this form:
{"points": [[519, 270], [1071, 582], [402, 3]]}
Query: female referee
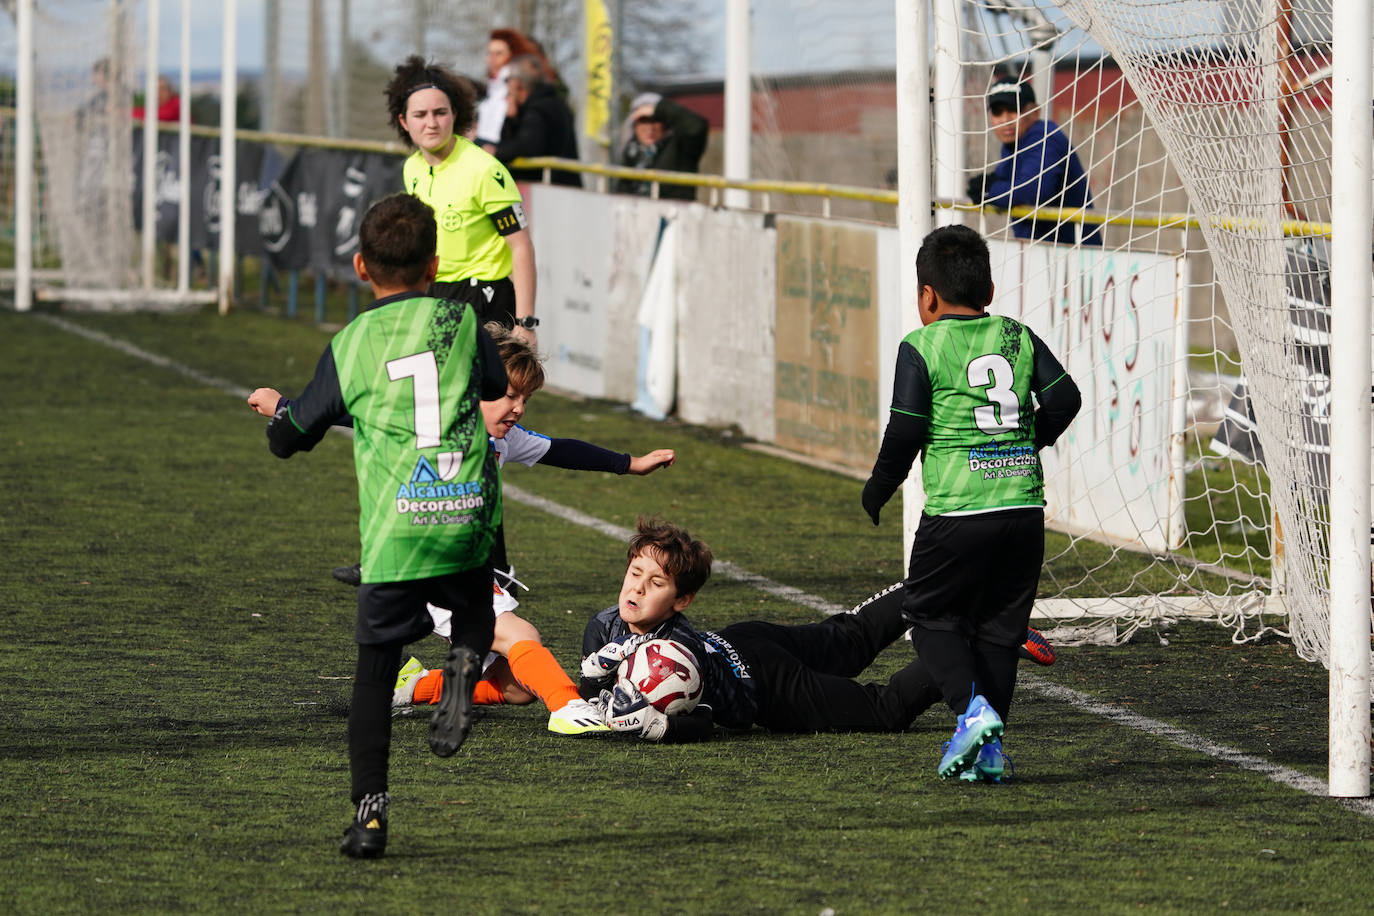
{"points": [[486, 257]]}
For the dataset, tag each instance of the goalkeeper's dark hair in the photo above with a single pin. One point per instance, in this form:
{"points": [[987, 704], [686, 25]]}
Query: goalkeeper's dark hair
{"points": [[397, 240], [524, 370], [682, 556], [953, 260], [414, 74]]}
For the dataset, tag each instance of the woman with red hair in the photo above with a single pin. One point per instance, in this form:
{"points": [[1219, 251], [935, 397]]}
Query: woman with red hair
{"points": [[503, 45]]}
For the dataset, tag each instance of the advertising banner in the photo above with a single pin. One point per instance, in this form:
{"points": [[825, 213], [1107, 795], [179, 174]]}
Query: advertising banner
{"points": [[826, 382]]}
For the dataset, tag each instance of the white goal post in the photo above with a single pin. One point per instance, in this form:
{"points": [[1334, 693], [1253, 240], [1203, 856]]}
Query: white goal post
{"points": [[91, 53]]}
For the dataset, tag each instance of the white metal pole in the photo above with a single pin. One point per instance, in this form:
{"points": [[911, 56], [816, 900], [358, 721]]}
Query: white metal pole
{"points": [[342, 100], [914, 188], [947, 108], [1042, 80], [1352, 88], [738, 121], [23, 159], [228, 178], [149, 240], [1178, 409], [271, 67], [184, 155]]}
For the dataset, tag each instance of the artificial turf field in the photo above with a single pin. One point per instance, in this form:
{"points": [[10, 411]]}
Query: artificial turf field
{"points": [[175, 657]]}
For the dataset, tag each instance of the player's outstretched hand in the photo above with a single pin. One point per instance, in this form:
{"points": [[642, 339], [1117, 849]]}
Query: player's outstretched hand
{"points": [[264, 401], [605, 660], [629, 711], [647, 464]]}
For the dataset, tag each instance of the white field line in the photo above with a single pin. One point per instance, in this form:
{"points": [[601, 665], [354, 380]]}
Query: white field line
{"points": [[1284, 776], [125, 347]]}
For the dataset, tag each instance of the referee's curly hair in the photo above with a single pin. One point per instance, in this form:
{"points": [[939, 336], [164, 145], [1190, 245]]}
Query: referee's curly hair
{"points": [[414, 73]]}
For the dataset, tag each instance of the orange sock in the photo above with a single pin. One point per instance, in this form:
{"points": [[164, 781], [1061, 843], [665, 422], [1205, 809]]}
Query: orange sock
{"points": [[536, 668], [487, 693], [430, 688]]}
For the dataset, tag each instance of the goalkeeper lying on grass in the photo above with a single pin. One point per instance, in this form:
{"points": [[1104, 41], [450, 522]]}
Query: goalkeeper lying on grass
{"points": [[784, 678]]}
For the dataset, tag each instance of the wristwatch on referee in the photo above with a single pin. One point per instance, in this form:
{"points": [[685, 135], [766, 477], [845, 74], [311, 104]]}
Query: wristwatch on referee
{"points": [[529, 322]]}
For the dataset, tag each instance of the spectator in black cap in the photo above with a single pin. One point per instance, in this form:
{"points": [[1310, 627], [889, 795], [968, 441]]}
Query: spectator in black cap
{"points": [[662, 135], [1038, 167]]}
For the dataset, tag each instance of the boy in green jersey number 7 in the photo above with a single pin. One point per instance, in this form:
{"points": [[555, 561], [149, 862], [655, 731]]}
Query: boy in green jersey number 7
{"points": [[964, 397], [410, 374]]}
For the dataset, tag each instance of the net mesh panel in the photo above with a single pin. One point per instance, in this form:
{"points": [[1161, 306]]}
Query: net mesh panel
{"points": [[1239, 95], [87, 60], [44, 243], [1178, 110]]}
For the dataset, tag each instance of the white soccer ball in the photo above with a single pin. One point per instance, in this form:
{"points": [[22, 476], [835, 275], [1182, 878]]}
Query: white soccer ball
{"points": [[666, 673]]}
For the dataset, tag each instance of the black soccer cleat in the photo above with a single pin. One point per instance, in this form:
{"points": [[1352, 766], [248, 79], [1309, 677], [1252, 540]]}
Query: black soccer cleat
{"points": [[349, 575], [452, 717], [365, 838]]}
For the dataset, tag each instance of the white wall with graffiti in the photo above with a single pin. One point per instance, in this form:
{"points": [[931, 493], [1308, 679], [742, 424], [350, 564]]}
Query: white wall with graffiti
{"points": [[786, 328]]}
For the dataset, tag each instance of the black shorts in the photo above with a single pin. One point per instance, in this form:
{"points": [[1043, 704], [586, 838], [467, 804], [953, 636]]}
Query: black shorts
{"points": [[976, 574], [396, 612], [493, 300]]}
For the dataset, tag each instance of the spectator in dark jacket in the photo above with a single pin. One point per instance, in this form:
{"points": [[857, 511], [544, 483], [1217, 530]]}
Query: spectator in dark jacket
{"points": [[662, 135], [538, 123], [1038, 167]]}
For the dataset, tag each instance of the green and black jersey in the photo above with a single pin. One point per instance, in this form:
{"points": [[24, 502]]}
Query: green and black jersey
{"points": [[964, 394], [409, 373], [476, 203]]}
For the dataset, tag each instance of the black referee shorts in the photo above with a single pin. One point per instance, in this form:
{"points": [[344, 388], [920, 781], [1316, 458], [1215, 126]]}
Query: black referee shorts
{"points": [[492, 300], [976, 574]]}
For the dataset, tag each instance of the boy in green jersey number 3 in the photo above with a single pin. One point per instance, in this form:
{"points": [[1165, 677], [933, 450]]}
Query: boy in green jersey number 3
{"points": [[409, 374], [962, 397]]}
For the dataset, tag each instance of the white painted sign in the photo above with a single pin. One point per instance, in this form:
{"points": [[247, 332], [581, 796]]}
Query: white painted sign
{"points": [[1110, 318]]}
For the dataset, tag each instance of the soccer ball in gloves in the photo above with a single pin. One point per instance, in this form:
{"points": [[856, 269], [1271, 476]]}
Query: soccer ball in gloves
{"points": [[666, 673]]}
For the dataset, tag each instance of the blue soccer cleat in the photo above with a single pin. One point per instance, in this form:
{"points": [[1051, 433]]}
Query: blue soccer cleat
{"points": [[991, 764], [978, 725]]}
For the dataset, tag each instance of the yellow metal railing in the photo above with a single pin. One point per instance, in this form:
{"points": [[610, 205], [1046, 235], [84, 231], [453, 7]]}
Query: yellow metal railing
{"points": [[827, 192]]}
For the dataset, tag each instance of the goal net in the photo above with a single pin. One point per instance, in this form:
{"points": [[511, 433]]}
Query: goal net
{"points": [[1196, 479], [86, 55], [1186, 291]]}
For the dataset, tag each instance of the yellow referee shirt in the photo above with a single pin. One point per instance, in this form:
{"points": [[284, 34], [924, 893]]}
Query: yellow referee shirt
{"points": [[475, 202]]}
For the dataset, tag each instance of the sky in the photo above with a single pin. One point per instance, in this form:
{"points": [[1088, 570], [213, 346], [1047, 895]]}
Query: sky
{"points": [[863, 40], [789, 36]]}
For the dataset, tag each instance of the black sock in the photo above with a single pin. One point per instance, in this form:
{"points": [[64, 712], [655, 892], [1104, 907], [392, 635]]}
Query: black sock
{"points": [[949, 661], [997, 675], [369, 718]]}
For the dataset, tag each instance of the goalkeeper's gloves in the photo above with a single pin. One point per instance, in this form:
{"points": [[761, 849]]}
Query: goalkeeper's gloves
{"points": [[605, 660], [629, 711]]}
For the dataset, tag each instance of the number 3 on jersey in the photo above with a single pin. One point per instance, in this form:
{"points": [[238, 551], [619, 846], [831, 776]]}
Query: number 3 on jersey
{"points": [[422, 369], [993, 372]]}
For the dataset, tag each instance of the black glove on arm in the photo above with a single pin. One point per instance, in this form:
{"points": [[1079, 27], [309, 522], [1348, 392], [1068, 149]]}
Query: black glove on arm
{"points": [[874, 499]]}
